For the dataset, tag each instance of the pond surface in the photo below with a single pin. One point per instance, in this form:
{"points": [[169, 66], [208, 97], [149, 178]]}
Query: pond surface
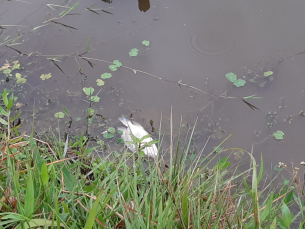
{"points": [[193, 45]]}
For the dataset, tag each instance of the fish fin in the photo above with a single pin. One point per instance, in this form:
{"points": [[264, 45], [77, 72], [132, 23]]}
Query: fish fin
{"points": [[124, 120]]}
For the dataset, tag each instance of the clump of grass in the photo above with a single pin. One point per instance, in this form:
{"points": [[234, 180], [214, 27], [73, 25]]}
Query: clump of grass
{"points": [[43, 185]]}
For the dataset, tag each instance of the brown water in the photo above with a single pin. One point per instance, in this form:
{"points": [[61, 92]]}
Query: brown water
{"points": [[196, 41]]}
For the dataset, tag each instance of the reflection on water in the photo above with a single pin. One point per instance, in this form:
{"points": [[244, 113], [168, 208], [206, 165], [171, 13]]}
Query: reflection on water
{"points": [[144, 5]]}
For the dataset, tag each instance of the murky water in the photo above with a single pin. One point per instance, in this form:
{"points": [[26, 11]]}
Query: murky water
{"points": [[195, 41]]}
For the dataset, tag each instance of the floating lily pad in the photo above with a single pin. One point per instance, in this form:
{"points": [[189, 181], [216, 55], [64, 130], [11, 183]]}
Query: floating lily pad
{"points": [[18, 75], [111, 130], [88, 90], [108, 135], [133, 52], [231, 77], [16, 65], [120, 132], [268, 73], [113, 67], [46, 76], [100, 82], [59, 115], [21, 81], [239, 82], [278, 134], [95, 99], [117, 63], [106, 75], [78, 119], [146, 43]]}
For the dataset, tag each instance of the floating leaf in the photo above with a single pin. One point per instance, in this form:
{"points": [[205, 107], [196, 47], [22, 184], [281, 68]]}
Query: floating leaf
{"points": [[7, 71], [78, 119], [231, 77], [108, 135], [16, 65], [120, 132], [278, 134], [113, 67], [95, 99], [45, 76], [120, 141], [286, 182], [88, 90], [268, 73], [146, 43], [21, 81], [18, 75], [111, 130], [239, 82], [106, 75], [277, 168], [59, 115], [133, 52], [100, 82], [117, 63]]}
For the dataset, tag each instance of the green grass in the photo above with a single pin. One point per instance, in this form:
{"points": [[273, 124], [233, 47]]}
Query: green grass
{"points": [[43, 185]]}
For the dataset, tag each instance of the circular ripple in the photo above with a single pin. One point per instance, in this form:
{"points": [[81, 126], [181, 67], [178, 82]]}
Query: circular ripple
{"points": [[218, 34]]}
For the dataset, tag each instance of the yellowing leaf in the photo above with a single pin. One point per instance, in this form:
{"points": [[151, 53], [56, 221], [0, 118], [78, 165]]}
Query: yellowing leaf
{"points": [[45, 76]]}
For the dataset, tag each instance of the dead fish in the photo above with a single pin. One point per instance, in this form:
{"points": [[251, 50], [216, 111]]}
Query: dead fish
{"points": [[139, 132]]}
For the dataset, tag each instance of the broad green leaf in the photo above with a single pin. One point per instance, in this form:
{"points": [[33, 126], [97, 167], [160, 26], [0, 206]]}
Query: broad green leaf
{"points": [[100, 82], [45, 76], [239, 82], [95, 99], [18, 75], [278, 134], [113, 67], [106, 75], [88, 90], [29, 197], [146, 43], [4, 97], [268, 73], [287, 216], [44, 174], [108, 135], [120, 141], [3, 112], [117, 63], [231, 77], [3, 121], [120, 132], [21, 81], [16, 65], [59, 115], [111, 130], [133, 52]]}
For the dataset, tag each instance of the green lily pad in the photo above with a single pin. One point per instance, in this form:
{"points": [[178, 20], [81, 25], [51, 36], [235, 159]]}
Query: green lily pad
{"points": [[78, 119], [133, 52], [108, 135], [120, 132], [45, 76], [278, 134], [268, 73], [88, 90], [146, 43], [106, 75], [21, 81], [95, 99], [239, 82], [100, 82], [18, 75], [231, 77], [59, 115], [111, 130], [117, 63], [113, 67], [16, 65]]}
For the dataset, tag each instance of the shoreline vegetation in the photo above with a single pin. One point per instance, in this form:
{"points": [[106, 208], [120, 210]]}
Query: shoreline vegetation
{"points": [[56, 183]]}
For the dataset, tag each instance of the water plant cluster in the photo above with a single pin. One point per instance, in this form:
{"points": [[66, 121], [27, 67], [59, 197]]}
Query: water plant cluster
{"points": [[50, 182]]}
